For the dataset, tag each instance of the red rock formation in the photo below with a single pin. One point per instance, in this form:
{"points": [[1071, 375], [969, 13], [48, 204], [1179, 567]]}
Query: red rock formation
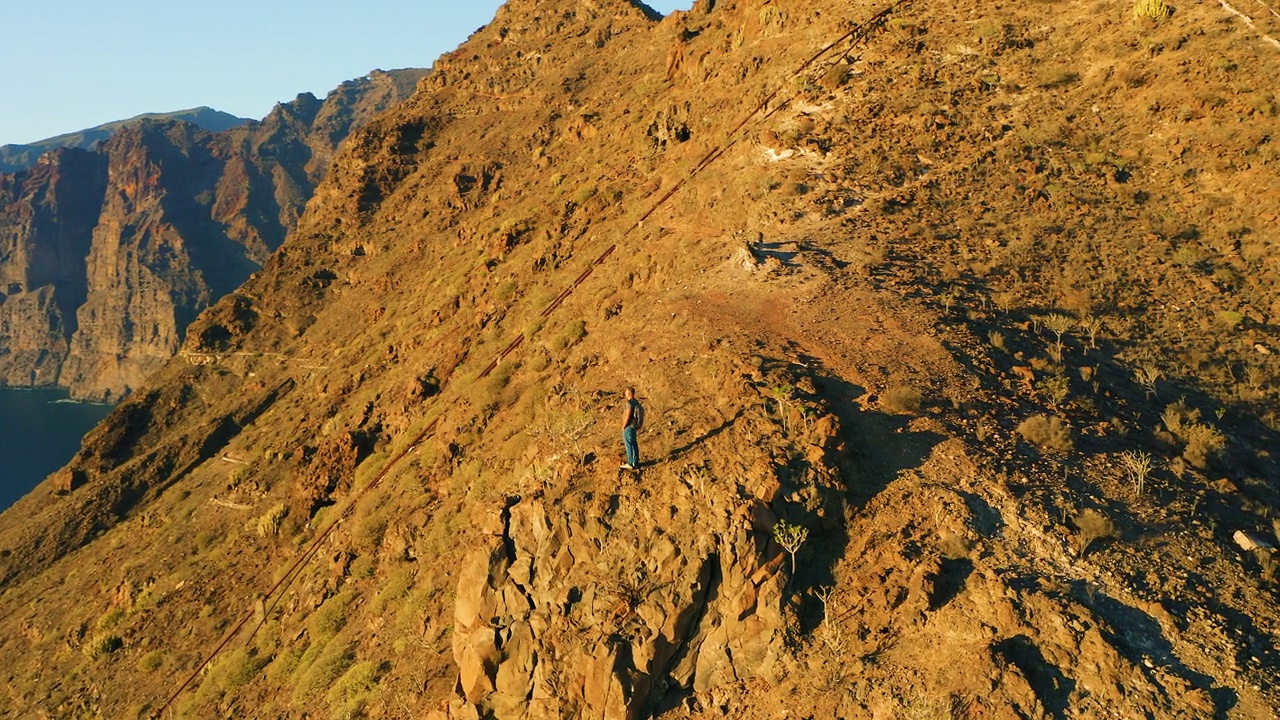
{"points": [[107, 255]]}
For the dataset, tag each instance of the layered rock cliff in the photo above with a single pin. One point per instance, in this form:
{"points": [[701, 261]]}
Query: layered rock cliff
{"points": [[20, 157], [110, 253], [954, 323]]}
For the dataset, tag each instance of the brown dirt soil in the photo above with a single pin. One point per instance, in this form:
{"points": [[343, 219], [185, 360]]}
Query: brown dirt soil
{"points": [[839, 325]]}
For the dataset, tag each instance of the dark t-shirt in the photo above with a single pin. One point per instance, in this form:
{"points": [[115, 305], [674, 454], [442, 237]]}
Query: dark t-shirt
{"points": [[635, 414]]}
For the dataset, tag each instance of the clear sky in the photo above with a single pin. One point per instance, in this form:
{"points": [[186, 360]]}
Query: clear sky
{"points": [[66, 65]]}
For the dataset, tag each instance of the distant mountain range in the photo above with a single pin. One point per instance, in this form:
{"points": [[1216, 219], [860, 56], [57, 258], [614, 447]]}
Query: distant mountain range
{"points": [[108, 252], [22, 156]]}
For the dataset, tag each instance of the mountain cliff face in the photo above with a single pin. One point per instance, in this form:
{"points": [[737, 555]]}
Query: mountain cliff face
{"points": [[112, 252], [956, 327], [20, 157]]}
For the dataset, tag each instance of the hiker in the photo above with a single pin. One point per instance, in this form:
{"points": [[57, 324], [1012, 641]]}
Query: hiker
{"points": [[632, 422]]}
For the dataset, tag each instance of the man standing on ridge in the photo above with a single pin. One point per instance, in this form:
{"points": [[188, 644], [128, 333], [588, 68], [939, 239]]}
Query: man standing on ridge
{"points": [[632, 422]]}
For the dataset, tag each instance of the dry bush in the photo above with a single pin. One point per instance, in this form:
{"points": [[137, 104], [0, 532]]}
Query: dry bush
{"points": [[1047, 433], [1137, 465], [151, 662], [573, 333], [921, 706], [835, 76], [1091, 327], [1091, 526], [1058, 324], [1268, 563], [1177, 416], [102, 644], [903, 400], [1147, 376], [1203, 444], [792, 188]]}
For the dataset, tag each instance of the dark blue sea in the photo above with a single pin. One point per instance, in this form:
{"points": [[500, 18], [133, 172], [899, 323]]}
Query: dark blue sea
{"points": [[39, 434]]}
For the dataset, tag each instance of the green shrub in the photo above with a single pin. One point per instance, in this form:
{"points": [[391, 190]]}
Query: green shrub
{"points": [[151, 662], [238, 667], [102, 644], [285, 665], [1151, 10], [349, 695], [393, 588], [268, 524], [573, 333], [790, 537], [318, 677], [1230, 318], [111, 619], [330, 618], [1056, 387]]}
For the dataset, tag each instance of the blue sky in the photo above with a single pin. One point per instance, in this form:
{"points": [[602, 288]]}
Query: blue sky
{"points": [[66, 65]]}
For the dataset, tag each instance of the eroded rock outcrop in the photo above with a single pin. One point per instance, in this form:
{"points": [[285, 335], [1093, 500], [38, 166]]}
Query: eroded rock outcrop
{"points": [[47, 216], [107, 255], [565, 611]]}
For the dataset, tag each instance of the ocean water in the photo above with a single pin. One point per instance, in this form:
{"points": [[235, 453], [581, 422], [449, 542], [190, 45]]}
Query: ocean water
{"points": [[39, 432]]}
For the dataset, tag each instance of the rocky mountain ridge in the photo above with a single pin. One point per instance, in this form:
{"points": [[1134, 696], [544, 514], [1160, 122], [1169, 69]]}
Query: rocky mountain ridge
{"points": [[956, 333], [15, 157], [107, 254]]}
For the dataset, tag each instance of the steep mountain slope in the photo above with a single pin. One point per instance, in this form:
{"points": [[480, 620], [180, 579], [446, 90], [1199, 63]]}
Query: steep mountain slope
{"points": [[108, 255], [20, 157], [899, 335]]}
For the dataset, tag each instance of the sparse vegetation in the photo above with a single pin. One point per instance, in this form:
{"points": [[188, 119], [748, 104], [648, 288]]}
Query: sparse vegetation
{"points": [[903, 399], [1047, 433], [1137, 466], [151, 661], [790, 537], [1058, 324], [1091, 526], [101, 644], [268, 524], [969, 170], [1148, 376], [1151, 10], [1201, 442]]}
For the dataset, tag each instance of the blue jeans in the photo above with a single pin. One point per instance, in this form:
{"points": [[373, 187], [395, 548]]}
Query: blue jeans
{"points": [[633, 451]]}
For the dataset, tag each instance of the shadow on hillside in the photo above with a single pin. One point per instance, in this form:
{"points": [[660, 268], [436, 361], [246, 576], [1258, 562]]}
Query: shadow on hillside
{"points": [[1140, 639], [877, 448], [1047, 680], [879, 445], [677, 453]]}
